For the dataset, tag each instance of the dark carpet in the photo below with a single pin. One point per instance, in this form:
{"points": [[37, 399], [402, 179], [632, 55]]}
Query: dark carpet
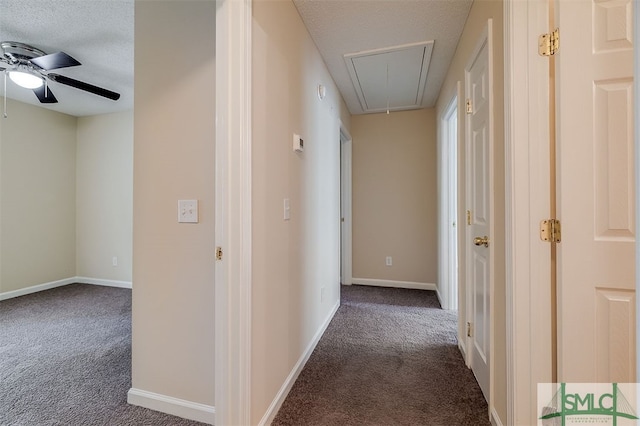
{"points": [[65, 359], [388, 357]]}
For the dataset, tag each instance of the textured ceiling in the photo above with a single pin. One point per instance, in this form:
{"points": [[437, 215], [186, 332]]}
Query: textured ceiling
{"points": [[98, 33], [340, 27]]}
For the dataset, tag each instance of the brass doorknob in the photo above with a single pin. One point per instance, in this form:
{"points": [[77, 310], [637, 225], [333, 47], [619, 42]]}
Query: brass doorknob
{"points": [[479, 241]]}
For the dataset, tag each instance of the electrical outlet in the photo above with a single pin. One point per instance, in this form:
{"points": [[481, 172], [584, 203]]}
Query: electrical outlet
{"points": [[321, 294], [188, 211], [114, 261], [388, 261]]}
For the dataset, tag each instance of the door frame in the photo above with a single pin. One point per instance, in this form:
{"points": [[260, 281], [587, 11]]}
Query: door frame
{"points": [[447, 166], [233, 213], [346, 200], [527, 182], [527, 174], [636, 106]]}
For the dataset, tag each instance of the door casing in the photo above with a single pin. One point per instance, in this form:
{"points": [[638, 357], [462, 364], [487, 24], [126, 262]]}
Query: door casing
{"points": [[346, 230], [233, 213], [448, 200]]}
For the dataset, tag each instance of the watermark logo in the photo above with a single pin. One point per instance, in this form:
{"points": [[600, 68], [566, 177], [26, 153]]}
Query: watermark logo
{"points": [[563, 404]]}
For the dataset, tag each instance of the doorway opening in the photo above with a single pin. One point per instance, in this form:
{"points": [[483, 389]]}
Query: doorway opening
{"points": [[346, 274], [449, 206]]}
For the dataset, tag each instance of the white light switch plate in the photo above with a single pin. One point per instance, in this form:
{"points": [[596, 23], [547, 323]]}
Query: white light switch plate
{"points": [[188, 211], [287, 209]]}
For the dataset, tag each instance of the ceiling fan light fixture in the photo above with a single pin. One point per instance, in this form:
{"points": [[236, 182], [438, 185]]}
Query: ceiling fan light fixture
{"points": [[26, 79]]}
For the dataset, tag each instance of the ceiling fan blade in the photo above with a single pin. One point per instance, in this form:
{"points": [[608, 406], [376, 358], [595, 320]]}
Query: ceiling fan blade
{"points": [[54, 61], [84, 86], [45, 98]]}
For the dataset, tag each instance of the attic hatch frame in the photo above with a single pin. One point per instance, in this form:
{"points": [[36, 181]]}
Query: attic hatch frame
{"points": [[359, 79]]}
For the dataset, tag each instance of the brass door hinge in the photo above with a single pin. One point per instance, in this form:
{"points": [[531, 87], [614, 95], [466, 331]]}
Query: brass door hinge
{"points": [[550, 230], [469, 106], [469, 330], [218, 253], [548, 44]]}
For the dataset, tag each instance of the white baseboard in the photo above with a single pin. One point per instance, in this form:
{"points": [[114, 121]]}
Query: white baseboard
{"points": [[107, 283], [395, 284], [495, 418], [439, 298], [36, 288], [297, 369], [174, 406], [60, 283], [463, 350]]}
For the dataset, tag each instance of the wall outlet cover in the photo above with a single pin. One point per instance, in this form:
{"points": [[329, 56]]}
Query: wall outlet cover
{"points": [[188, 211]]}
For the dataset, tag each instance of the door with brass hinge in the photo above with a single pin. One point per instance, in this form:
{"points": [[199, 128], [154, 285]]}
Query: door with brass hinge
{"points": [[478, 169], [596, 193]]}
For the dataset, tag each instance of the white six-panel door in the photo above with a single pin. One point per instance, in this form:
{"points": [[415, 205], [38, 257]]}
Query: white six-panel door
{"points": [[596, 272], [479, 200]]}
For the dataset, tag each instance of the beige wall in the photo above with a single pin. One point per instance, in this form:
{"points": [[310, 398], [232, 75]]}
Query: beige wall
{"points": [[74, 178], [173, 263], [480, 12], [37, 207], [104, 196], [395, 196], [293, 261]]}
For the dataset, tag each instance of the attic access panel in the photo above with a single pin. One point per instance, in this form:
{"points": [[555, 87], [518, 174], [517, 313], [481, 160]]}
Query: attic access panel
{"points": [[391, 78]]}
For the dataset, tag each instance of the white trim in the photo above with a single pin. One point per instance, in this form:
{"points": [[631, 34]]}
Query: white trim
{"points": [[495, 418], [492, 216], [395, 284], [510, 44], [440, 300], [527, 202], [60, 283], [463, 351], [447, 276], [346, 198], [636, 108], [36, 288], [233, 212], [174, 406], [106, 283], [275, 405]]}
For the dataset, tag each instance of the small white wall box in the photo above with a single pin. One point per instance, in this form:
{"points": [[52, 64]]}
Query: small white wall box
{"points": [[298, 143], [188, 211]]}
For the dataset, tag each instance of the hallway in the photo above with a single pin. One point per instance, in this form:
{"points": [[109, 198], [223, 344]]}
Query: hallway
{"points": [[389, 357]]}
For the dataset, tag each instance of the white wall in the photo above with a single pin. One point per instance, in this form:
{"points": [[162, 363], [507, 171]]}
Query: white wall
{"points": [[37, 203], [104, 196], [296, 261], [173, 263]]}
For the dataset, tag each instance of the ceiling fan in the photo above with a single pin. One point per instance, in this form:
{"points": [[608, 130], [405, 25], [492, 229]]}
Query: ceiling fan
{"points": [[30, 68]]}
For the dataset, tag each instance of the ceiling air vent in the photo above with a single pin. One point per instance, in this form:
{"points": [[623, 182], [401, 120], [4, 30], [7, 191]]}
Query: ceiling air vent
{"points": [[390, 79]]}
